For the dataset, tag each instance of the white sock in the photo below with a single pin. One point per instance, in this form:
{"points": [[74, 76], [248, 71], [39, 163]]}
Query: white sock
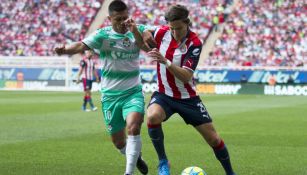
{"points": [[133, 149], [123, 150]]}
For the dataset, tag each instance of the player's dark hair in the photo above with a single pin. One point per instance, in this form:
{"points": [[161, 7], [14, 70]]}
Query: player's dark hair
{"points": [[177, 12], [117, 6]]}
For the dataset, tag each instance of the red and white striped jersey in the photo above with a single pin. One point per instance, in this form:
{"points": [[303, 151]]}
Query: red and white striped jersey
{"points": [[88, 66], [185, 55]]}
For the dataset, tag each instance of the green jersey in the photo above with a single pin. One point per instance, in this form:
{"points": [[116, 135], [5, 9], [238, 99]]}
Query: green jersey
{"points": [[120, 59]]}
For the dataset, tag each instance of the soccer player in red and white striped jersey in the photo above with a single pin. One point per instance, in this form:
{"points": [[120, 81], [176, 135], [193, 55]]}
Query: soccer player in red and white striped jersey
{"points": [[177, 54], [87, 71]]}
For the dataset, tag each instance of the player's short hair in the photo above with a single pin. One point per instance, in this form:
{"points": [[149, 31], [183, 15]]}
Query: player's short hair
{"points": [[177, 12], [117, 6]]}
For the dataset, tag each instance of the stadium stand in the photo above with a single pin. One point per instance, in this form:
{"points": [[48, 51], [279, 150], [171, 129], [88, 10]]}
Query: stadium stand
{"points": [[263, 33], [151, 12], [256, 32], [34, 27]]}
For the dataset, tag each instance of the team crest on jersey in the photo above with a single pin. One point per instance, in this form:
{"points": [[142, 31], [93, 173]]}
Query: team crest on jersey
{"points": [[183, 48], [126, 42], [112, 43]]}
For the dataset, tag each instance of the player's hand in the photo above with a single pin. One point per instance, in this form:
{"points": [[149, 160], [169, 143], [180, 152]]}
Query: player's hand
{"points": [[157, 56], [149, 40], [60, 50], [78, 81], [131, 25]]}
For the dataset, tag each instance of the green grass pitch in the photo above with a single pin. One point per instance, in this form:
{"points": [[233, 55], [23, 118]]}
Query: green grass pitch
{"points": [[46, 133]]}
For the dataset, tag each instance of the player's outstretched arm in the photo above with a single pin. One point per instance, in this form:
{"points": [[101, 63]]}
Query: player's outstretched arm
{"points": [[74, 48]]}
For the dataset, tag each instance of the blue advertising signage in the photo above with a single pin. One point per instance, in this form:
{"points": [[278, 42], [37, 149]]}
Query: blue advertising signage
{"points": [[32, 74], [150, 75], [251, 76]]}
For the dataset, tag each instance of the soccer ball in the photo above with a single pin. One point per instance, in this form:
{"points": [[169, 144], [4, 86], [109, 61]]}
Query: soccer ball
{"points": [[193, 170]]}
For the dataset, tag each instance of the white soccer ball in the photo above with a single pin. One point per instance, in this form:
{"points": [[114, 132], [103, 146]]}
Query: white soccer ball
{"points": [[193, 170]]}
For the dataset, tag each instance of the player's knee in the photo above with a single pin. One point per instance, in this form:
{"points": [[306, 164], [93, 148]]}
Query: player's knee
{"points": [[153, 118], [134, 129], [214, 141]]}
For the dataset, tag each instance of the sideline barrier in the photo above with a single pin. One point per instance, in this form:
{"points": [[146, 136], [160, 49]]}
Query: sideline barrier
{"points": [[58, 73]]}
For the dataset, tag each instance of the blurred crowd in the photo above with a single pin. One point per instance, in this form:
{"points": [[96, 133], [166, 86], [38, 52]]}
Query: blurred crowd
{"points": [[34, 27], [203, 15], [256, 32], [263, 33], [151, 12]]}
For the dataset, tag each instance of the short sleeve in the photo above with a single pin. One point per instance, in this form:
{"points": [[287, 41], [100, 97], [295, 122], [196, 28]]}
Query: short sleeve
{"points": [[192, 57], [142, 27], [95, 40]]}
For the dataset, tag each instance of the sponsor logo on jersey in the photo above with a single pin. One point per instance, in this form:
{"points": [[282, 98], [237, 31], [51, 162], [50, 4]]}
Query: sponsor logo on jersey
{"points": [[189, 63], [123, 55], [196, 52]]}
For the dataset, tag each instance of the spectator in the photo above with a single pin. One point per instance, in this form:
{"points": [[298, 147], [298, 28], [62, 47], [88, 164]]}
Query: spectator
{"points": [[263, 34], [31, 27]]}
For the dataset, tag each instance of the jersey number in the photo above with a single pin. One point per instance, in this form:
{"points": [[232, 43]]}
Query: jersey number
{"points": [[203, 110]]}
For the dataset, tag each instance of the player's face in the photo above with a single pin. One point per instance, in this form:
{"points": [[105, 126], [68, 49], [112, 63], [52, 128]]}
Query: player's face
{"points": [[179, 29], [117, 19], [88, 54]]}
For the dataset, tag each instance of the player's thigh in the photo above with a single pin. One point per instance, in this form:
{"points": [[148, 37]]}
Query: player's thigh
{"points": [[134, 118], [134, 121], [208, 132], [113, 118], [84, 84], [89, 84], [155, 114], [133, 111], [193, 111], [159, 108], [134, 103]]}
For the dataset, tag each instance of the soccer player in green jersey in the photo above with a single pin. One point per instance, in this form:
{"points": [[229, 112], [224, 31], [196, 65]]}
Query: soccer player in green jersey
{"points": [[122, 99]]}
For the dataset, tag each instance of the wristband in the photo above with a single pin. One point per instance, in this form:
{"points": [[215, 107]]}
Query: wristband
{"points": [[168, 63]]}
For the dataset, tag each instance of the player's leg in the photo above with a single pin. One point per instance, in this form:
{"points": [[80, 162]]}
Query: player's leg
{"points": [[155, 117], [85, 99], [134, 121], [194, 112], [123, 144], [157, 112], [133, 112], [89, 95], [220, 150], [93, 107], [119, 140], [114, 122], [131, 148]]}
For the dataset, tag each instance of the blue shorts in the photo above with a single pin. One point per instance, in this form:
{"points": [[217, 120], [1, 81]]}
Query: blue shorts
{"points": [[192, 110], [87, 84]]}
